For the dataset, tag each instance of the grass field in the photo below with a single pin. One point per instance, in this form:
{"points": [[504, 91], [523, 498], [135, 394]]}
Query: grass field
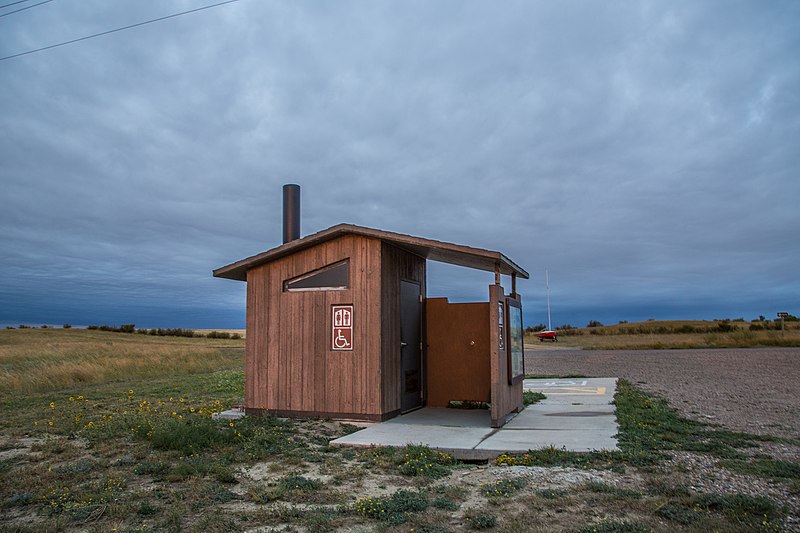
{"points": [[119, 437], [674, 334]]}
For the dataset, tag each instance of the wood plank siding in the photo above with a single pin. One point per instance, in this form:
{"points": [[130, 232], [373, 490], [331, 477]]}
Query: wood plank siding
{"points": [[290, 366], [506, 398], [396, 265]]}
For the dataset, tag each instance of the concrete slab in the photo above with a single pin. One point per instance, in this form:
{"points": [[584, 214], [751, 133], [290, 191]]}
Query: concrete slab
{"points": [[434, 416], [546, 418], [577, 415], [581, 391], [520, 441], [231, 414], [440, 437]]}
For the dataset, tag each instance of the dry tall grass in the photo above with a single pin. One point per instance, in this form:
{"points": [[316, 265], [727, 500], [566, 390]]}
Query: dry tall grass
{"points": [[36, 360], [662, 336]]}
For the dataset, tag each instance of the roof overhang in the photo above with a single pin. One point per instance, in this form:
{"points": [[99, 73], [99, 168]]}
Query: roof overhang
{"points": [[444, 252]]}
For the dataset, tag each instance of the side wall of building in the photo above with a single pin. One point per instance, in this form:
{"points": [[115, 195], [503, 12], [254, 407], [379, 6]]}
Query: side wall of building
{"points": [[506, 398], [291, 368]]}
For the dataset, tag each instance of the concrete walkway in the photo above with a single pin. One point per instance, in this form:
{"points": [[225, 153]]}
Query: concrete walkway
{"points": [[577, 415]]}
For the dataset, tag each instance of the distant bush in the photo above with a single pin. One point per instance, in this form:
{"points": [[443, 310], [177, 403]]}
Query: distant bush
{"points": [[163, 332], [568, 329], [725, 326], [124, 328], [23, 326], [534, 329], [67, 326], [223, 335], [45, 326], [174, 332], [10, 327], [593, 324]]}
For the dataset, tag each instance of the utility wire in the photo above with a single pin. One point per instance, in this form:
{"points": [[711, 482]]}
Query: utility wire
{"points": [[117, 29], [22, 8], [14, 3]]}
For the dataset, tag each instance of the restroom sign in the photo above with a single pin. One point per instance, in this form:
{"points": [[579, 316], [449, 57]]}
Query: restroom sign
{"points": [[341, 327]]}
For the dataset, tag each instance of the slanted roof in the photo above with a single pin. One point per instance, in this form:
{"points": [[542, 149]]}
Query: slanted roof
{"points": [[445, 252]]}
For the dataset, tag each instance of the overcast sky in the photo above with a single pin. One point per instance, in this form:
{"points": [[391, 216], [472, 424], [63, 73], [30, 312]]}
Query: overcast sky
{"points": [[646, 153]]}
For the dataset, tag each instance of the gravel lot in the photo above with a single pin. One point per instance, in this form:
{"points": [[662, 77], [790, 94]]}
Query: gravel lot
{"points": [[756, 390]]}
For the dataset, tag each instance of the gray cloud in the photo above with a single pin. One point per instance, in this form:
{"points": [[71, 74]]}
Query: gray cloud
{"points": [[646, 153]]}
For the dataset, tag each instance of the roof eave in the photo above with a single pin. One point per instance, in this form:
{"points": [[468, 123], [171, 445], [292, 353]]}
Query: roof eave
{"points": [[445, 252]]}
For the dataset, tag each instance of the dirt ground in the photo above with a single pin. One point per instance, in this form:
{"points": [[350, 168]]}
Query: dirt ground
{"points": [[756, 390]]}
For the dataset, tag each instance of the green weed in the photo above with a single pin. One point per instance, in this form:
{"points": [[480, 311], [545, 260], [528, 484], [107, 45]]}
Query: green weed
{"points": [[502, 487], [530, 398], [419, 460], [764, 467], [481, 520]]}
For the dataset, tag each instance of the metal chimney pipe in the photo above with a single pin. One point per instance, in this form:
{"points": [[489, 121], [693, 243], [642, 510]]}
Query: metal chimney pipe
{"points": [[291, 212]]}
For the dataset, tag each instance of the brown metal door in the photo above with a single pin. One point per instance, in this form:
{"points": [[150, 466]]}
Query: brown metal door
{"points": [[410, 352]]}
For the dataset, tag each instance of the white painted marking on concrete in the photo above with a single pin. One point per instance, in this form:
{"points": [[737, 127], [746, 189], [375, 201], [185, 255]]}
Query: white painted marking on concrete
{"points": [[565, 383]]}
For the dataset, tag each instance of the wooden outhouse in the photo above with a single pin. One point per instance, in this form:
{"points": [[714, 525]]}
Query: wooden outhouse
{"points": [[338, 326]]}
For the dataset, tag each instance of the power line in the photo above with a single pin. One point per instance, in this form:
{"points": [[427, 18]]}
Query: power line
{"points": [[14, 3], [22, 8], [117, 29]]}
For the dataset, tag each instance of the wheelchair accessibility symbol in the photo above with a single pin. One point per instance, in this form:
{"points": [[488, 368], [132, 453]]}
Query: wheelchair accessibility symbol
{"points": [[342, 327]]}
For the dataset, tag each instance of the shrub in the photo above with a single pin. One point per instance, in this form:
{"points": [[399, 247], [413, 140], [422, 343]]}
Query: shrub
{"points": [[530, 397], [725, 326], [481, 520], [594, 324], [419, 460], [189, 435], [394, 509], [407, 501], [67, 326], [299, 483], [445, 503], [502, 487]]}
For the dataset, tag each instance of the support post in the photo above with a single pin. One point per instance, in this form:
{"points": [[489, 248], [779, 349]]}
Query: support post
{"points": [[497, 274], [514, 284]]}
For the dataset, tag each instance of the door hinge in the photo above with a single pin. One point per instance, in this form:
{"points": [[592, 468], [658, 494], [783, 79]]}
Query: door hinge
{"points": [[420, 298]]}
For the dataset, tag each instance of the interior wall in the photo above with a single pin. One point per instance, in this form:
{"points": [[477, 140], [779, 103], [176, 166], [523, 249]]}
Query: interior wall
{"points": [[458, 364], [396, 265]]}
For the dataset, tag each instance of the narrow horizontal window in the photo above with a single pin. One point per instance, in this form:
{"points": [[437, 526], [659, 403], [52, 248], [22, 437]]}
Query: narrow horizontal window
{"points": [[334, 277]]}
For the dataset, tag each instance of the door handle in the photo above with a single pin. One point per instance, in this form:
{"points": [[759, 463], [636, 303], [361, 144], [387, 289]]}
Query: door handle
{"points": [[403, 344]]}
